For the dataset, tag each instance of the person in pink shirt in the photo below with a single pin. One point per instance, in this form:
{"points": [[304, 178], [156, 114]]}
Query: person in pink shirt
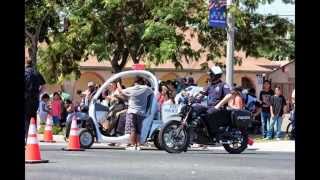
{"points": [[162, 94], [56, 108]]}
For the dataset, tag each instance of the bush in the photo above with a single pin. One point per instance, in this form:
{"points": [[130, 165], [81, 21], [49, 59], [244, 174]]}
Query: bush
{"points": [[56, 130]]}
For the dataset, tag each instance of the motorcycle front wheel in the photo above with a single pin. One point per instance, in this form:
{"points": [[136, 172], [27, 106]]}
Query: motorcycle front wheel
{"points": [[173, 137], [238, 143]]}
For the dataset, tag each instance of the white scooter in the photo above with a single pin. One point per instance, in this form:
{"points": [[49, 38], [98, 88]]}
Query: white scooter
{"points": [[91, 129]]}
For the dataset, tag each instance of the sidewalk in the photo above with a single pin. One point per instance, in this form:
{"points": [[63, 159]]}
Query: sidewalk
{"points": [[274, 146]]}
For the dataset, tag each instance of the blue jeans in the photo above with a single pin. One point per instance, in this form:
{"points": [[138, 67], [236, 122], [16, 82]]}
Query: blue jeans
{"points": [[275, 126], [56, 120], [265, 123]]}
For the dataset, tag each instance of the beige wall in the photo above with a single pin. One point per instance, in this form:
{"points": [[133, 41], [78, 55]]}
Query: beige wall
{"points": [[286, 80], [284, 77], [252, 76]]}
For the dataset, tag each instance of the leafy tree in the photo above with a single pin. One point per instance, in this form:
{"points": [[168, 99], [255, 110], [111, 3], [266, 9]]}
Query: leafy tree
{"points": [[41, 18], [152, 31], [256, 34]]}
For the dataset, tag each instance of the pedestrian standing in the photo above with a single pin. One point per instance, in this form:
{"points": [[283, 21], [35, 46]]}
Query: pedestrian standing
{"points": [[33, 85], [137, 106], [265, 96], [44, 109], [172, 88], [56, 110], [163, 91], [168, 98], [277, 108]]}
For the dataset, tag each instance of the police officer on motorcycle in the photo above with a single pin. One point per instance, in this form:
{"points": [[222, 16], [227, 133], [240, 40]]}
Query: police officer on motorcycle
{"points": [[218, 93]]}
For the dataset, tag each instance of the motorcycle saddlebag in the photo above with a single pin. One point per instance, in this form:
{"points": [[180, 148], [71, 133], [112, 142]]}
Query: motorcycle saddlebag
{"points": [[240, 118]]}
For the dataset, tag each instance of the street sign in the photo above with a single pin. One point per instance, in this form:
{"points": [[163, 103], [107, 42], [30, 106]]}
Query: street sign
{"points": [[217, 13]]}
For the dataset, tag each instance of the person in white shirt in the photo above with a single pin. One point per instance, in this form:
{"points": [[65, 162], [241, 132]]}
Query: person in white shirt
{"points": [[168, 98], [44, 109]]}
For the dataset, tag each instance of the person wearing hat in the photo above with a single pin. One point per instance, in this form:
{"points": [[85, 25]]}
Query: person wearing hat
{"points": [[88, 95], [217, 91]]}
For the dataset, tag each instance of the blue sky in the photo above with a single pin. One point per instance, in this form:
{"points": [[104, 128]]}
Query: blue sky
{"points": [[279, 8]]}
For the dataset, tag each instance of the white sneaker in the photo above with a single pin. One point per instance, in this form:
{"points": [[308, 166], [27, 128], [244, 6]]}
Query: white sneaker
{"points": [[131, 148], [138, 148], [278, 139], [195, 145]]}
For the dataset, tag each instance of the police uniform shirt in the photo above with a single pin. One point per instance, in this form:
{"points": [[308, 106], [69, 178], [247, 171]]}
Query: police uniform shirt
{"points": [[216, 92]]}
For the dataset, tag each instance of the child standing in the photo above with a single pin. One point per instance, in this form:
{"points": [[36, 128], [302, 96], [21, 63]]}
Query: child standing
{"points": [[56, 108], [44, 109]]}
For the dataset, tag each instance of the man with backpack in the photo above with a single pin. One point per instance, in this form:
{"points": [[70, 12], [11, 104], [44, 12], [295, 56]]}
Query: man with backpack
{"points": [[33, 85]]}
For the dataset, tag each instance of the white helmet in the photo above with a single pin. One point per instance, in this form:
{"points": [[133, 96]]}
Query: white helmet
{"points": [[215, 71]]}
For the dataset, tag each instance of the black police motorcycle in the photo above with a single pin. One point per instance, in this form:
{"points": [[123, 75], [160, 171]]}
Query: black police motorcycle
{"points": [[176, 136]]}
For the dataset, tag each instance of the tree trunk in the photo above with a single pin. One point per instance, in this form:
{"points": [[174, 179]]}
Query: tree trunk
{"points": [[33, 51], [114, 62], [135, 60], [34, 38], [119, 54]]}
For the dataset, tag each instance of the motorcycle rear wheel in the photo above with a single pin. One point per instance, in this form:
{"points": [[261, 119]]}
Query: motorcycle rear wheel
{"points": [[173, 138], [238, 147]]}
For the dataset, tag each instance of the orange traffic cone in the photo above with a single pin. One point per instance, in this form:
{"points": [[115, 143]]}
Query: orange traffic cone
{"points": [[47, 135], [32, 153], [74, 140]]}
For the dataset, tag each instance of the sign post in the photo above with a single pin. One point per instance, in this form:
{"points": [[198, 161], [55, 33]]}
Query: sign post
{"points": [[217, 13], [219, 18], [230, 47]]}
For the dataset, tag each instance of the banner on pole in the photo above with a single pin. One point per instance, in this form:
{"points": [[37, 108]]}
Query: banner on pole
{"points": [[217, 13]]}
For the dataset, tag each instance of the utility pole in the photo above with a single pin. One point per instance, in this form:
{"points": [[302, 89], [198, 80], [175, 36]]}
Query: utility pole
{"points": [[230, 46]]}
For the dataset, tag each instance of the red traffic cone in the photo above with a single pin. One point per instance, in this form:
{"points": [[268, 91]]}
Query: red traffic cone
{"points": [[32, 153], [47, 135], [74, 140]]}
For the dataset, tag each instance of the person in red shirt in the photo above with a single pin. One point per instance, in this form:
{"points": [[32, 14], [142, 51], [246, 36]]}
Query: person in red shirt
{"points": [[56, 108]]}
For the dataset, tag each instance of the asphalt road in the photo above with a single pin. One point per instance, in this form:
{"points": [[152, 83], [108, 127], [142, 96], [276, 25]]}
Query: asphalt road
{"points": [[116, 164]]}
